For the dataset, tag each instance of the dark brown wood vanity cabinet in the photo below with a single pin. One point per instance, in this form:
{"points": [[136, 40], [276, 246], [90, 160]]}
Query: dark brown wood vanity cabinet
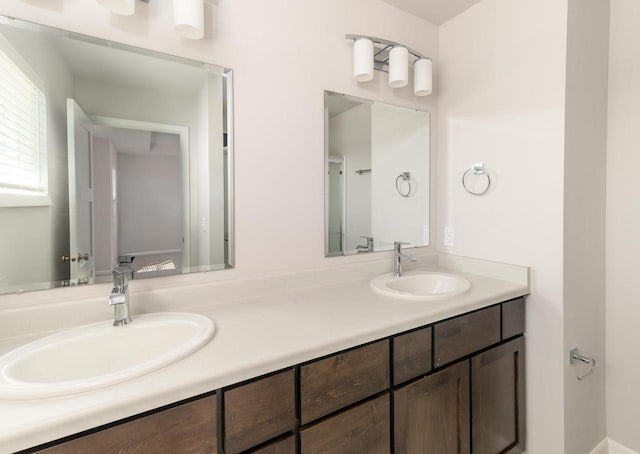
{"points": [[186, 428], [473, 401], [452, 387]]}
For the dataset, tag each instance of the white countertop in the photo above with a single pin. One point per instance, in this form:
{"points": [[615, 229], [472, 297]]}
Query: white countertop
{"points": [[254, 336]]}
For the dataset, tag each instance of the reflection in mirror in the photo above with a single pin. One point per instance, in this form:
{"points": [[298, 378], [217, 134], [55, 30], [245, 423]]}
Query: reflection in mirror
{"points": [[109, 154], [376, 175]]}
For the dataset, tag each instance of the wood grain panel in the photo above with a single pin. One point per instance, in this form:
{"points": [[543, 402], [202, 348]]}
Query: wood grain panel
{"points": [[259, 411], [513, 318], [466, 334], [187, 428], [361, 429], [411, 355], [431, 415], [343, 379], [286, 446], [497, 396]]}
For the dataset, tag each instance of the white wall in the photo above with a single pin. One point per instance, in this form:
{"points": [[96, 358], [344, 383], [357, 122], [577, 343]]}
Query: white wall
{"points": [[584, 220], [502, 93], [623, 225], [149, 203], [399, 143], [34, 255], [350, 137]]}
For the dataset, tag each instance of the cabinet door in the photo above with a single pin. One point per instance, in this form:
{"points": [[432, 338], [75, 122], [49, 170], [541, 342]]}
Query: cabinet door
{"points": [[497, 393], [190, 427], [361, 429], [431, 415]]}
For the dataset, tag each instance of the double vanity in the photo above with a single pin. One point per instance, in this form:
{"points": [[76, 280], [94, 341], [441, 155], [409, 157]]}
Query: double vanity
{"points": [[351, 358], [300, 370]]}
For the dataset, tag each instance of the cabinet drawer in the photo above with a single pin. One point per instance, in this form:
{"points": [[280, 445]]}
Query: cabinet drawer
{"points": [[259, 411], [190, 427], [466, 334], [411, 355], [286, 446], [332, 383], [513, 318], [362, 429]]}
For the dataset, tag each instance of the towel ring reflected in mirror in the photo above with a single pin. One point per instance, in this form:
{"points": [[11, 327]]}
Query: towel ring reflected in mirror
{"points": [[404, 177], [476, 169]]}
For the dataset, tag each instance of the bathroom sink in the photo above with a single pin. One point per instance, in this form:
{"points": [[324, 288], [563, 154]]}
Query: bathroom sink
{"points": [[98, 355], [421, 285]]}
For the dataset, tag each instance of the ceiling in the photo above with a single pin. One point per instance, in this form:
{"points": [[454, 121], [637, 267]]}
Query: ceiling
{"points": [[435, 11]]}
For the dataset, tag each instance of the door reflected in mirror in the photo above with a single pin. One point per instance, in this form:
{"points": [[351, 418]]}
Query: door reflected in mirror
{"points": [[109, 154], [376, 175]]}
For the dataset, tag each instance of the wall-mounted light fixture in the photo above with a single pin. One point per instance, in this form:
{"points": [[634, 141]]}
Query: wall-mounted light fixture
{"points": [[188, 18], [371, 53], [188, 15]]}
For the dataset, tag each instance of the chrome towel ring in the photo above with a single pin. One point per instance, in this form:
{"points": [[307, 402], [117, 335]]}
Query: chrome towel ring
{"points": [[404, 177], [476, 169]]}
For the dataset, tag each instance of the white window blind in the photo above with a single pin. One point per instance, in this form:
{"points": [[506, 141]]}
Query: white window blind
{"points": [[23, 154]]}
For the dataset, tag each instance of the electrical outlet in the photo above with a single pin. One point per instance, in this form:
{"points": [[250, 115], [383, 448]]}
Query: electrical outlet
{"points": [[448, 236]]}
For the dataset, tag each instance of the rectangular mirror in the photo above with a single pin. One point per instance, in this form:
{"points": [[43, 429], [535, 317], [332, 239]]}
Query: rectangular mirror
{"points": [[376, 175], [109, 154]]}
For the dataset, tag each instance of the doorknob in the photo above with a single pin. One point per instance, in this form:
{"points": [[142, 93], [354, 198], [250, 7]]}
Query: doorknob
{"points": [[67, 259], [82, 257]]}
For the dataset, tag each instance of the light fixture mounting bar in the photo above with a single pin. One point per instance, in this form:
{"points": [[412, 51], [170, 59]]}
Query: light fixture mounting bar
{"points": [[386, 44]]}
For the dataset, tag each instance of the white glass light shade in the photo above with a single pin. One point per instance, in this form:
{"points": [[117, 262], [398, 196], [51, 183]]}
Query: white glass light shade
{"points": [[122, 7], [398, 67], [422, 77], [188, 18], [363, 60]]}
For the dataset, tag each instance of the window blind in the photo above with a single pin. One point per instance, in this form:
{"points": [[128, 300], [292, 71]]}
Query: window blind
{"points": [[23, 166]]}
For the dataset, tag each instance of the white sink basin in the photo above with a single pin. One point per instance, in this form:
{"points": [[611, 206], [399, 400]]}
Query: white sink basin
{"points": [[421, 285], [99, 355]]}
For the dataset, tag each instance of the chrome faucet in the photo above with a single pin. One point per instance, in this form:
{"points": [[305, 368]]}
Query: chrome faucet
{"points": [[397, 256], [368, 248], [119, 297]]}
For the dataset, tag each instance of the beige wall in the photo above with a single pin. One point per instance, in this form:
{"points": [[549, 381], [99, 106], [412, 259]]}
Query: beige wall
{"points": [[623, 225], [584, 220], [502, 92]]}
